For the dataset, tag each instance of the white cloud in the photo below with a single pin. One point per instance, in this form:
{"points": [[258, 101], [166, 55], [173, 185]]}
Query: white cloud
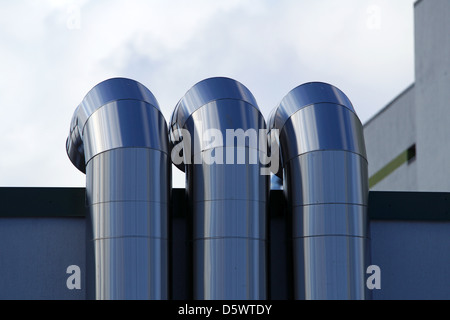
{"points": [[49, 61]]}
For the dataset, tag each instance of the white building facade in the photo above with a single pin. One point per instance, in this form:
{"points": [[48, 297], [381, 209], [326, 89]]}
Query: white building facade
{"points": [[408, 142]]}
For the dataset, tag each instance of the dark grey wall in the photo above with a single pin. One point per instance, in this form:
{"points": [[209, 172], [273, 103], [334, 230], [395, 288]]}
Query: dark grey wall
{"points": [[35, 254], [42, 232]]}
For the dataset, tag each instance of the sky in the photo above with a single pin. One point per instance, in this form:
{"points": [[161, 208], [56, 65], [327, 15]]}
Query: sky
{"points": [[52, 52]]}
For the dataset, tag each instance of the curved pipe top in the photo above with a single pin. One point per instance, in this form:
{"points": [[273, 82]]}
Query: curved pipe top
{"points": [[315, 116], [303, 96], [106, 92], [202, 93], [208, 90]]}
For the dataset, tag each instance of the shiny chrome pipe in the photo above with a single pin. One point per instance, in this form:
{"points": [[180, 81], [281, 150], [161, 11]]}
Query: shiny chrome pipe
{"points": [[119, 139], [324, 170], [227, 196]]}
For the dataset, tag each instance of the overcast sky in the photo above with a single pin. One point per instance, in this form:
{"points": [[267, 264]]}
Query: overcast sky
{"points": [[52, 52]]}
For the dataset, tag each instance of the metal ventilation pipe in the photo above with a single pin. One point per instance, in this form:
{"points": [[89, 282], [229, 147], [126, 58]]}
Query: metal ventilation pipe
{"points": [[119, 138], [215, 128], [324, 169]]}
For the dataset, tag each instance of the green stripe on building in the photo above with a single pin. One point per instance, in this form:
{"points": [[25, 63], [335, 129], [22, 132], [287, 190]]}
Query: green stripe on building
{"points": [[402, 158]]}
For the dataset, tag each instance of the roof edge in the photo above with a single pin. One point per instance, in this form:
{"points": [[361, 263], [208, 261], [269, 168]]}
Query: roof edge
{"points": [[387, 106]]}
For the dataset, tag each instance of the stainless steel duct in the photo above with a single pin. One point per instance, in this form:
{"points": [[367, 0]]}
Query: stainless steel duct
{"points": [[324, 170], [228, 197], [119, 138]]}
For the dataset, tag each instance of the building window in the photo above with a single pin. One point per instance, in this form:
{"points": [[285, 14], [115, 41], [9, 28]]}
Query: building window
{"points": [[411, 154]]}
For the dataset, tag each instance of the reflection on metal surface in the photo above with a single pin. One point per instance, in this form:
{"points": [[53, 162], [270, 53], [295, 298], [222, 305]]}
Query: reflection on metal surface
{"points": [[276, 183], [324, 170], [118, 137], [228, 199]]}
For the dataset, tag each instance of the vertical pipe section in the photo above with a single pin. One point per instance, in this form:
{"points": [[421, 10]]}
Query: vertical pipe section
{"points": [[119, 138], [324, 169], [217, 125]]}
